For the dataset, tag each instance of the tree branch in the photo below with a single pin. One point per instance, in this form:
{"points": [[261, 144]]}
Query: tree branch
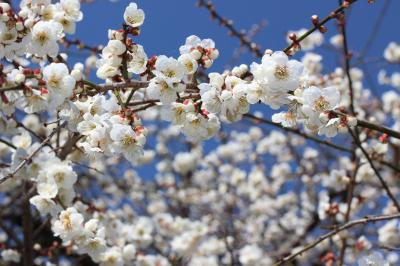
{"points": [[367, 219]]}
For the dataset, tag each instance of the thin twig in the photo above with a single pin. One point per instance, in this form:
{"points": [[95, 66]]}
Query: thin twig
{"points": [[28, 159], [381, 180], [244, 41], [298, 132], [317, 26], [367, 219]]}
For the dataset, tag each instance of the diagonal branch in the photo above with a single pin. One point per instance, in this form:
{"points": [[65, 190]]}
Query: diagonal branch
{"points": [[367, 219], [30, 156], [381, 180]]}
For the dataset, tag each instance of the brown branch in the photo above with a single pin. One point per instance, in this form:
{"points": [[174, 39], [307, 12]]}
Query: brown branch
{"points": [[367, 219], [80, 45], [365, 124]]}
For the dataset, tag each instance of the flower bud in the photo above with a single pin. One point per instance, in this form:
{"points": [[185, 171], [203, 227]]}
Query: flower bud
{"points": [[207, 63], [76, 74], [236, 72], [195, 54], [19, 26], [214, 54], [29, 23], [5, 7], [19, 78], [244, 68]]}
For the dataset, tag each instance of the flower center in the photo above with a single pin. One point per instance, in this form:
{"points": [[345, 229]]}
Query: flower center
{"points": [[281, 72], [321, 104], [170, 73], [42, 37], [128, 140]]}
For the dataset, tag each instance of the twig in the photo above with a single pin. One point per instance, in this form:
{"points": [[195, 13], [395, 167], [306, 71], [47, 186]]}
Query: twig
{"points": [[298, 132], [371, 163], [318, 26], [232, 30], [28, 159], [9, 144], [367, 219]]}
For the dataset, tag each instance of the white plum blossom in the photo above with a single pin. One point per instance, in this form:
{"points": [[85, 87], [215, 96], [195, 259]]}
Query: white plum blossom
{"points": [[133, 16], [69, 224], [45, 35], [169, 69], [127, 141], [321, 100], [59, 83], [277, 72], [138, 62]]}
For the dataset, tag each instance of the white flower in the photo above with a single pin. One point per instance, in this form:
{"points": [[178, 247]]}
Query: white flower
{"points": [[11, 255], [286, 119], [59, 83], [107, 71], [250, 255], [69, 225], [45, 205], [184, 162], [160, 89], [138, 60], [210, 97], [374, 259], [22, 141], [189, 63], [389, 234], [61, 173], [133, 16], [321, 100], [114, 47], [129, 252], [47, 188], [176, 112], [71, 9], [256, 93], [392, 52], [127, 141], [142, 232], [193, 42], [278, 72], [45, 35], [169, 69]]}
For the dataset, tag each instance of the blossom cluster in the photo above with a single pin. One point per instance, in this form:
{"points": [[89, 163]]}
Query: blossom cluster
{"points": [[63, 138], [37, 27]]}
